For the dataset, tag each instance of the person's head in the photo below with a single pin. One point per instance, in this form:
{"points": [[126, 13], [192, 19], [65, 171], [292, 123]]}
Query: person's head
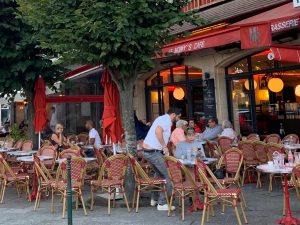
{"points": [[53, 109], [59, 128], [226, 124], [190, 134], [212, 122], [174, 112], [192, 123], [181, 124], [89, 124]]}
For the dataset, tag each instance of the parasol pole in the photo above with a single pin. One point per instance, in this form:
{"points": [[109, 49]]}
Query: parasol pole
{"points": [[39, 139]]}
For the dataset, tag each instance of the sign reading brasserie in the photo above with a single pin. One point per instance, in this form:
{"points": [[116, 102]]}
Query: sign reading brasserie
{"points": [[296, 3]]}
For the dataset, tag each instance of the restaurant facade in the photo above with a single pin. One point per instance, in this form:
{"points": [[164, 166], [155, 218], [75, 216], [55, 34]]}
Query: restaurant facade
{"points": [[231, 68]]}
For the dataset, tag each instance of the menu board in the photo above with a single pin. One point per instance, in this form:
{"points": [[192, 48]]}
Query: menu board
{"points": [[209, 98]]}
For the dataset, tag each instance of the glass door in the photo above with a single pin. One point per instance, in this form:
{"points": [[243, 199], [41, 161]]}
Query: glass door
{"points": [[196, 101], [242, 109]]}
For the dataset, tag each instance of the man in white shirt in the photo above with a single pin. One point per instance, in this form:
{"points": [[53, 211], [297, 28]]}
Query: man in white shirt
{"points": [[53, 119], [94, 138], [155, 145]]}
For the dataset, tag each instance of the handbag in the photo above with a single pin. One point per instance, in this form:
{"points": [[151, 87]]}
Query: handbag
{"points": [[219, 173]]}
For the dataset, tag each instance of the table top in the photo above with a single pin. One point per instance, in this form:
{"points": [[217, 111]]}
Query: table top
{"points": [[87, 159], [292, 146], [266, 168], [30, 158], [22, 153], [87, 147], [7, 149], [106, 146], [207, 161]]}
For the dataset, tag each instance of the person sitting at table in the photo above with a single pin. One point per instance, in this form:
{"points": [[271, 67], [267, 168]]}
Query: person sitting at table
{"points": [[178, 134], [189, 144], [57, 138], [213, 130], [192, 124], [94, 138], [228, 131]]}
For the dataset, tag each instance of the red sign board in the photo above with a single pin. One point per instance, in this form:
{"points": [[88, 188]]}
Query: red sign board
{"points": [[253, 36]]}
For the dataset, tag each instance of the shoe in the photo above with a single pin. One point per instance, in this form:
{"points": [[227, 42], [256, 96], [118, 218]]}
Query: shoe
{"points": [[153, 202], [164, 207]]}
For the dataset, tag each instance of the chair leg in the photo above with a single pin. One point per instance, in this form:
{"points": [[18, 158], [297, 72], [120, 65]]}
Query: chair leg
{"points": [[28, 191], [258, 182], [109, 193], [82, 202], [92, 199], [283, 208], [270, 183], [114, 200], [64, 203], [204, 210], [37, 198], [237, 212], [134, 196], [243, 212], [244, 173], [166, 194], [3, 191], [182, 205], [76, 199], [137, 199], [125, 198], [171, 201], [52, 200]]}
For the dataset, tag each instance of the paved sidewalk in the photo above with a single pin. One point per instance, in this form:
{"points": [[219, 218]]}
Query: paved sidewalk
{"points": [[262, 209]]}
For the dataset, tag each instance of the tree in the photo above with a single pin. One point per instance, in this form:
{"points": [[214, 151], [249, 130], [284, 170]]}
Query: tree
{"points": [[21, 60], [124, 36]]}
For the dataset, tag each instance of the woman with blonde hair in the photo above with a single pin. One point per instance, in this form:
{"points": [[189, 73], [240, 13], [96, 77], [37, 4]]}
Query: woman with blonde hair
{"points": [[57, 139]]}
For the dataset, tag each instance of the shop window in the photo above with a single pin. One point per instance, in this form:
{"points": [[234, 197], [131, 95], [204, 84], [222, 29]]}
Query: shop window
{"points": [[153, 80], [165, 75], [179, 73], [239, 67], [260, 61], [194, 73]]}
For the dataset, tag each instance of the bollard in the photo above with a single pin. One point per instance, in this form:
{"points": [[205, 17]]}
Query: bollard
{"points": [[69, 191]]}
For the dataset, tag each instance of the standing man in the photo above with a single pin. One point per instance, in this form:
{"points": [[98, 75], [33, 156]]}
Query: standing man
{"points": [[155, 146], [94, 138], [53, 119]]}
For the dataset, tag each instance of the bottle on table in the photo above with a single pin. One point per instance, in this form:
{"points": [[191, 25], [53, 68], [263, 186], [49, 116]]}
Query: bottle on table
{"points": [[281, 131]]}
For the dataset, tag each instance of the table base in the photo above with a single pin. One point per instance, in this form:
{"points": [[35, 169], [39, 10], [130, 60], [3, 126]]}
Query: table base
{"points": [[288, 220]]}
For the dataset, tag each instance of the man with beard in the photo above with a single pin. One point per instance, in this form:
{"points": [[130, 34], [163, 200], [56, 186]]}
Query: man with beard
{"points": [[155, 147]]}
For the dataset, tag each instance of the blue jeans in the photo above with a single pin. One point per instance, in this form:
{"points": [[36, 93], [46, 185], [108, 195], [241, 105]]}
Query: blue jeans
{"points": [[157, 161]]}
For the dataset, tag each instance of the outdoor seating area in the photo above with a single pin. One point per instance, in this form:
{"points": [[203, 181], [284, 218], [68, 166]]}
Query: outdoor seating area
{"points": [[42, 174]]}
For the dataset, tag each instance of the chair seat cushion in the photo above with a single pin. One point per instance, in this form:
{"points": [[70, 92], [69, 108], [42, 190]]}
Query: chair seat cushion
{"points": [[20, 176], [230, 192], [106, 183], [62, 185], [153, 181], [188, 186]]}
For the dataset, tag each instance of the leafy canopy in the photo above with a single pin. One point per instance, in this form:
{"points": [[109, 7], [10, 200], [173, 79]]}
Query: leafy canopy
{"points": [[122, 35], [21, 61]]}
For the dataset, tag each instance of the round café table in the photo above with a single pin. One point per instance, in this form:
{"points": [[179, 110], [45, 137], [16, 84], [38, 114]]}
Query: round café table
{"points": [[22, 153], [87, 159], [288, 219], [5, 150], [29, 160]]}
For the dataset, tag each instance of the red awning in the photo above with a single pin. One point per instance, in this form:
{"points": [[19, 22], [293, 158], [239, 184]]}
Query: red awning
{"points": [[286, 53], [214, 39], [282, 18]]}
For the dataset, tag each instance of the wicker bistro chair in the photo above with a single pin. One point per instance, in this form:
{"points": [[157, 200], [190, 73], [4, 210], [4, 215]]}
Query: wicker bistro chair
{"points": [[182, 181], [218, 193], [111, 177], [69, 152], [8, 142], [293, 138], [8, 177], [232, 160], [270, 149], [213, 150], [144, 183], [262, 158], [225, 143], [45, 180], [48, 151], [18, 144], [273, 138], [27, 145], [250, 160], [78, 166], [83, 137], [253, 137]]}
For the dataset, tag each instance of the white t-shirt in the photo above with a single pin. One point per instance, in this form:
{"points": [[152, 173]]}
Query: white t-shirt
{"points": [[151, 140], [53, 121], [94, 134]]}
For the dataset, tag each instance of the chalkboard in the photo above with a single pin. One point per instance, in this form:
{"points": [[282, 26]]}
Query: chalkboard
{"points": [[209, 98]]}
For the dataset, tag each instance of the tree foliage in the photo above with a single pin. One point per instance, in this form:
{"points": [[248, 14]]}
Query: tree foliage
{"points": [[21, 60], [122, 35]]}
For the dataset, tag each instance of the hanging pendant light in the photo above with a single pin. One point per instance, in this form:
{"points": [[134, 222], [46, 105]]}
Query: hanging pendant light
{"points": [[178, 93], [297, 90], [246, 84], [275, 84]]}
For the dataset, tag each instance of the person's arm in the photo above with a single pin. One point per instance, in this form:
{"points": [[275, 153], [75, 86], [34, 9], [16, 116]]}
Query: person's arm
{"points": [[160, 138], [92, 137], [58, 139]]}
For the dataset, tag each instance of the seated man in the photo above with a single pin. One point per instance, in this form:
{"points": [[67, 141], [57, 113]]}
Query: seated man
{"points": [[189, 144], [94, 138], [213, 130]]}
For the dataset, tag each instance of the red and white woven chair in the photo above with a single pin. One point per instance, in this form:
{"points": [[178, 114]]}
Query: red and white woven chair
{"points": [[253, 137], [217, 193], [262, 158], [111, 177], [48, 151], [292, 138], [144, 183], [183, 184], [225, 143], [273, 138], [27, 145]]}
